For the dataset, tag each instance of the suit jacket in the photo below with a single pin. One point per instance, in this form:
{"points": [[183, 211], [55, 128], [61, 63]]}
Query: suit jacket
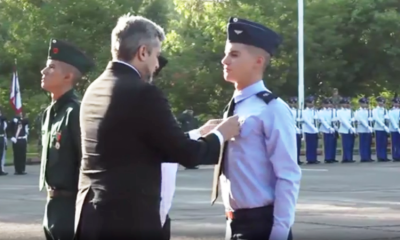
{"points": [[128, 130]]}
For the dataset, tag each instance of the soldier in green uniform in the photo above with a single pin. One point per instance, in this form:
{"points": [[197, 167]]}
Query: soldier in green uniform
{"points": [[61, 139], [19, 139]]}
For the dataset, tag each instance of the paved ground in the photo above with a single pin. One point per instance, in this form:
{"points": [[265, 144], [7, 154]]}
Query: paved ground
{"points": [[357, 201]]}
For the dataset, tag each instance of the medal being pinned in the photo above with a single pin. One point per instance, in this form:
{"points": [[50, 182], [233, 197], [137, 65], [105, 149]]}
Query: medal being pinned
{"points": [[58, 138]]}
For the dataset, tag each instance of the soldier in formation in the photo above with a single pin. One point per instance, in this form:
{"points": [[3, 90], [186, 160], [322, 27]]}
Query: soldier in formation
{"points": [[19, 130], [297, 114], [342, 123], [327, 118], [310, 130], [3, 143]]}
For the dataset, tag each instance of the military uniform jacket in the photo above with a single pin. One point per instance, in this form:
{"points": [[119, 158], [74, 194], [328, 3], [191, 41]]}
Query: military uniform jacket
{"points": [[61, 143], [23, 123], [128, 130], [3, 126]]}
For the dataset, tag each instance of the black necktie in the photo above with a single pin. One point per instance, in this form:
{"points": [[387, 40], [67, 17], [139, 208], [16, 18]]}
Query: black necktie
{"points": [[218, 168]]}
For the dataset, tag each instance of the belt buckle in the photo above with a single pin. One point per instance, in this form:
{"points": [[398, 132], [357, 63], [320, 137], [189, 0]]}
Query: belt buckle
{"points": [[229, 214]]}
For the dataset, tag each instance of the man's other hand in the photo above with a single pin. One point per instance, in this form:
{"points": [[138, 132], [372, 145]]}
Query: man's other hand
{"points": [[229, 127], [209, 126]]}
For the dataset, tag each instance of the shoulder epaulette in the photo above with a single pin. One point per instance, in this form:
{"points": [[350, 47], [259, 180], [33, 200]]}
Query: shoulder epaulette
{"points": [[267, 97]]}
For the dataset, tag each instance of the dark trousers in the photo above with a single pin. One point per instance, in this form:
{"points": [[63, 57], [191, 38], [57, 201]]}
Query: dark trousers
{"points": [[395, 145], [347, 146], [251, 224], [311, 146], [19, 149], [365, 146], [58, 222], [381, 141], [166, 230], [98, 222], [329, 146], [298, 141]]}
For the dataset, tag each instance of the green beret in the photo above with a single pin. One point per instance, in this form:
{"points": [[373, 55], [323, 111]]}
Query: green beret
{"points": [[66, 52]]}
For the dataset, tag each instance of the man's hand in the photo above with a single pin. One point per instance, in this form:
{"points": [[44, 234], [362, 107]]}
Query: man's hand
{"points": [[209, 126], [229, 127]]}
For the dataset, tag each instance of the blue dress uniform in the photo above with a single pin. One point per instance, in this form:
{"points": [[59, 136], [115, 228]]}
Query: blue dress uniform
{"points": [[260, 178], [380, 115], [347, 130], [394, 120], [310, 129], [297, 114], [363, 116], [326, 117]]}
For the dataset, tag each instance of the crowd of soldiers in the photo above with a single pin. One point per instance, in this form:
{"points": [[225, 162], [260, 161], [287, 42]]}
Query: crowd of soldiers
{"points": [[16, 130], [332, 122]]}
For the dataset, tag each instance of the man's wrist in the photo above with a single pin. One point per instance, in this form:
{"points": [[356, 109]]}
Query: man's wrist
{"points": [[219, 135], [194, 134]]}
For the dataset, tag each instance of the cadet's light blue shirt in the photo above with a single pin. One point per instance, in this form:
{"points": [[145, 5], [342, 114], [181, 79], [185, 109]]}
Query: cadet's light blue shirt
{"points": [[261, 163]]}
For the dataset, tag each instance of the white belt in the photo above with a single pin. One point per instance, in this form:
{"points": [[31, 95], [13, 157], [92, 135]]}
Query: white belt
{"points": [[2, 135], [24, 137]]}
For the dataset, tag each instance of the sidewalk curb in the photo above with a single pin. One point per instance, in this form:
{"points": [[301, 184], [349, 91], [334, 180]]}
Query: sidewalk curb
{"points": [[29, 161]]}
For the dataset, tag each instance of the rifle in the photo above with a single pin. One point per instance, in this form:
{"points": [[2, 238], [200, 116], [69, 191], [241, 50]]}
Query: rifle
{"points": [[370, 120], [333, 123], [386, 121], [352, 121], [299, 124], [18, 130]]}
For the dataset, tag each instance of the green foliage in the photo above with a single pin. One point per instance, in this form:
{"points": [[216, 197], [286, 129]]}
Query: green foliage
{"points": [[353, 45]]}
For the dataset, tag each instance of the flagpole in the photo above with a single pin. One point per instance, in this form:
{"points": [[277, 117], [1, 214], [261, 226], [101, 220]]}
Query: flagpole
{"points": [[300, 7]]}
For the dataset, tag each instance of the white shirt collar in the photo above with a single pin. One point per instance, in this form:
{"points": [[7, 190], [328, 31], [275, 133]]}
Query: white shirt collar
{"points": [[127, 64], [249, 91]]}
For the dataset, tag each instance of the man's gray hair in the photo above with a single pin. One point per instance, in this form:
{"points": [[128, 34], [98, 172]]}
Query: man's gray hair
{"points": [[130, 33]]}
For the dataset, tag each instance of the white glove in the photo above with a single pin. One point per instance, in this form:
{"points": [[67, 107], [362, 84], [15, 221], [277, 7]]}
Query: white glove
{"points": [[298, 131], [15, 120], [398, 130], [13, 139], [331, 130], [315, 129], [387, 129], [352, 130], [370, 129]]}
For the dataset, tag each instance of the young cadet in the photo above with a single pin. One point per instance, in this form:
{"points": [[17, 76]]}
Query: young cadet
{"points": [[364, 130], [394, 120], [310, 129], [297, 114], [326, 116], [380, 115], [347, 130], [258, 172], [61, 138]]}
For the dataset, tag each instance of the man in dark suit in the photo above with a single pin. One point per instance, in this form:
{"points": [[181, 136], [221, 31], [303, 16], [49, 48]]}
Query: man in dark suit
{"points": [[128, 130]]}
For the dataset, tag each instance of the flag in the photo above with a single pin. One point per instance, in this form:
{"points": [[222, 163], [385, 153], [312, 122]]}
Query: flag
{"points": [[15, 96]]}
